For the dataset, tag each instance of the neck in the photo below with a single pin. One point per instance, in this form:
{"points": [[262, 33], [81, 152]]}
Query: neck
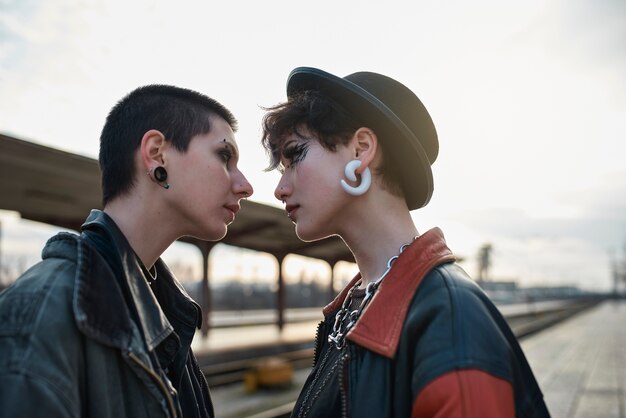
{"points": [[376, 233], [142, 225]]}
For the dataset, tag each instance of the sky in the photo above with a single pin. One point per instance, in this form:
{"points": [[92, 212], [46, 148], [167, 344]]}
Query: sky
{"points": [[529, 101]]}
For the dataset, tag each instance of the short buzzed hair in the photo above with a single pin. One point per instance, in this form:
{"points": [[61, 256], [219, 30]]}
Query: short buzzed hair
{"points": [[178, 113]]}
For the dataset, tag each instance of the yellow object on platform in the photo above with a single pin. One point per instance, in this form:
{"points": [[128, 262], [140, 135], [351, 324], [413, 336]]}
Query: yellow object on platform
{"points": [[270, 372]]}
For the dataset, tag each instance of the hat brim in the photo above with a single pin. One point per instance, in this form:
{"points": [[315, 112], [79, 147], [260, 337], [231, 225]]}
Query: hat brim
{"points": [[405, 149]]}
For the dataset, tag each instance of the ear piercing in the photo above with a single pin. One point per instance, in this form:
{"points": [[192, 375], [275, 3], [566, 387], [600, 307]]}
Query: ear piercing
{"points": [[350, 172], [160, 176]]}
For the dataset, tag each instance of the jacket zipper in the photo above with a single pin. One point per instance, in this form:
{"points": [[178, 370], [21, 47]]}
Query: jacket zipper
{"points": [[203, 384], [343, 383], [318, 343], [157, 379]]}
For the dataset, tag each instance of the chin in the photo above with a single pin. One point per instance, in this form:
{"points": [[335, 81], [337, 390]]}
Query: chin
{"points": [[221, 234], [308, 235], [213, 234]]}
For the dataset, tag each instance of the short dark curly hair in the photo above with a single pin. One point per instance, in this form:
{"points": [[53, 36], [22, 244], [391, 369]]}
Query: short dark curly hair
{"points": [[332, 125]]}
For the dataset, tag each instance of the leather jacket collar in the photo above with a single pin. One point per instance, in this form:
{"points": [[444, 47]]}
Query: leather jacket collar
{"points": [[100, 309], [381, 322]]}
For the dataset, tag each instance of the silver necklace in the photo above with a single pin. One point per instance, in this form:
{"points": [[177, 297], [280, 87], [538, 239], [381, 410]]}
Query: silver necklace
{"points": [[346, 319], [152, 278]]}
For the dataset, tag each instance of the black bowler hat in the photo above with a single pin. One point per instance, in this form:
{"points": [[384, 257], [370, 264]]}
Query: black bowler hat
{"points": [[396, 115]]}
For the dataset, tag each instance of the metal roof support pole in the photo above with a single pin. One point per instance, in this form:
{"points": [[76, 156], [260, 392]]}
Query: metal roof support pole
{"points": [[1, 266], [280, 294], [331, 285], [205, 248]]}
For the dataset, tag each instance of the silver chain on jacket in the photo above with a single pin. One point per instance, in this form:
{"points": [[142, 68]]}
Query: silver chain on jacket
{"points": [[341, 327]]}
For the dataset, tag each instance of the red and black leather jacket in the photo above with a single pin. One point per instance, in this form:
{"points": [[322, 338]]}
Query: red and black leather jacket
{"points": [[432, 344]]}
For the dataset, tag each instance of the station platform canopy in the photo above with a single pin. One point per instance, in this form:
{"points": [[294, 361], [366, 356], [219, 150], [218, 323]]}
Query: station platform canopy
{"points": [[59, 188]]}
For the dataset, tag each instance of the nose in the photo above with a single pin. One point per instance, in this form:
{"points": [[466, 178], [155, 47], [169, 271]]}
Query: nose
{"points": [[242, 186], [282, 190]]}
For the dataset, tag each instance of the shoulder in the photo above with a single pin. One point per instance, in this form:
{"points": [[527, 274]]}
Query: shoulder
{"points": [[449, 277], [41, 344], [37, 307], [448, 290], [452, 324], [63, 245], [448, 301], [56, 269]]}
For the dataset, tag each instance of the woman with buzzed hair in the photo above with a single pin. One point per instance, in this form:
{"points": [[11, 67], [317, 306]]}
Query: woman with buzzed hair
{"points": [[101, 328]]}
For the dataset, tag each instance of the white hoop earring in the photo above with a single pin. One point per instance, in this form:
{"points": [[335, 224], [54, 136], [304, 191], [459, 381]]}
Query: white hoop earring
{"points": [[350, 172]]}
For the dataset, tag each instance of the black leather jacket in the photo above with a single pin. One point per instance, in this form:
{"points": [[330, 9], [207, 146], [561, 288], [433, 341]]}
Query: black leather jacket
{"points": [[83, 334], [427, 321]]}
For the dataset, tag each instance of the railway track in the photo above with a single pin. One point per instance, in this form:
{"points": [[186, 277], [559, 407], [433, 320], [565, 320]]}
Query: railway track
{"points": [[233, 371]]}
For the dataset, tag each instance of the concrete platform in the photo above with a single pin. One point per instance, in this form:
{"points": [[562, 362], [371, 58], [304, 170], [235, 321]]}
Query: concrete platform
{"points": [[581, 363], [230, 335], [253, 336]]}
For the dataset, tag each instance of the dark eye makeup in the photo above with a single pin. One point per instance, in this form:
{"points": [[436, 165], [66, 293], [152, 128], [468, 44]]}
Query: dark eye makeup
{"points": [[295, 153]]}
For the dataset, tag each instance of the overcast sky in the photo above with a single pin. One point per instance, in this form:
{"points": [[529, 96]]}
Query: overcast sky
{"points": [[529, 100]]}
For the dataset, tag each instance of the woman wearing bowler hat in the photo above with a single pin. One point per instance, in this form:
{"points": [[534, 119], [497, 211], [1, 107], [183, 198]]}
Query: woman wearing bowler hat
{"points": [[411, 335]]}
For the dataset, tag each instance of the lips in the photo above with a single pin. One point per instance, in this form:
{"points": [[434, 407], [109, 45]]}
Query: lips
{"points": [[233, 208], [291, 210]]}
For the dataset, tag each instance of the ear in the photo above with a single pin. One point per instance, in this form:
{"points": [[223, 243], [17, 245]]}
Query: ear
{"points": [[151, 149], [365, 143]]}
